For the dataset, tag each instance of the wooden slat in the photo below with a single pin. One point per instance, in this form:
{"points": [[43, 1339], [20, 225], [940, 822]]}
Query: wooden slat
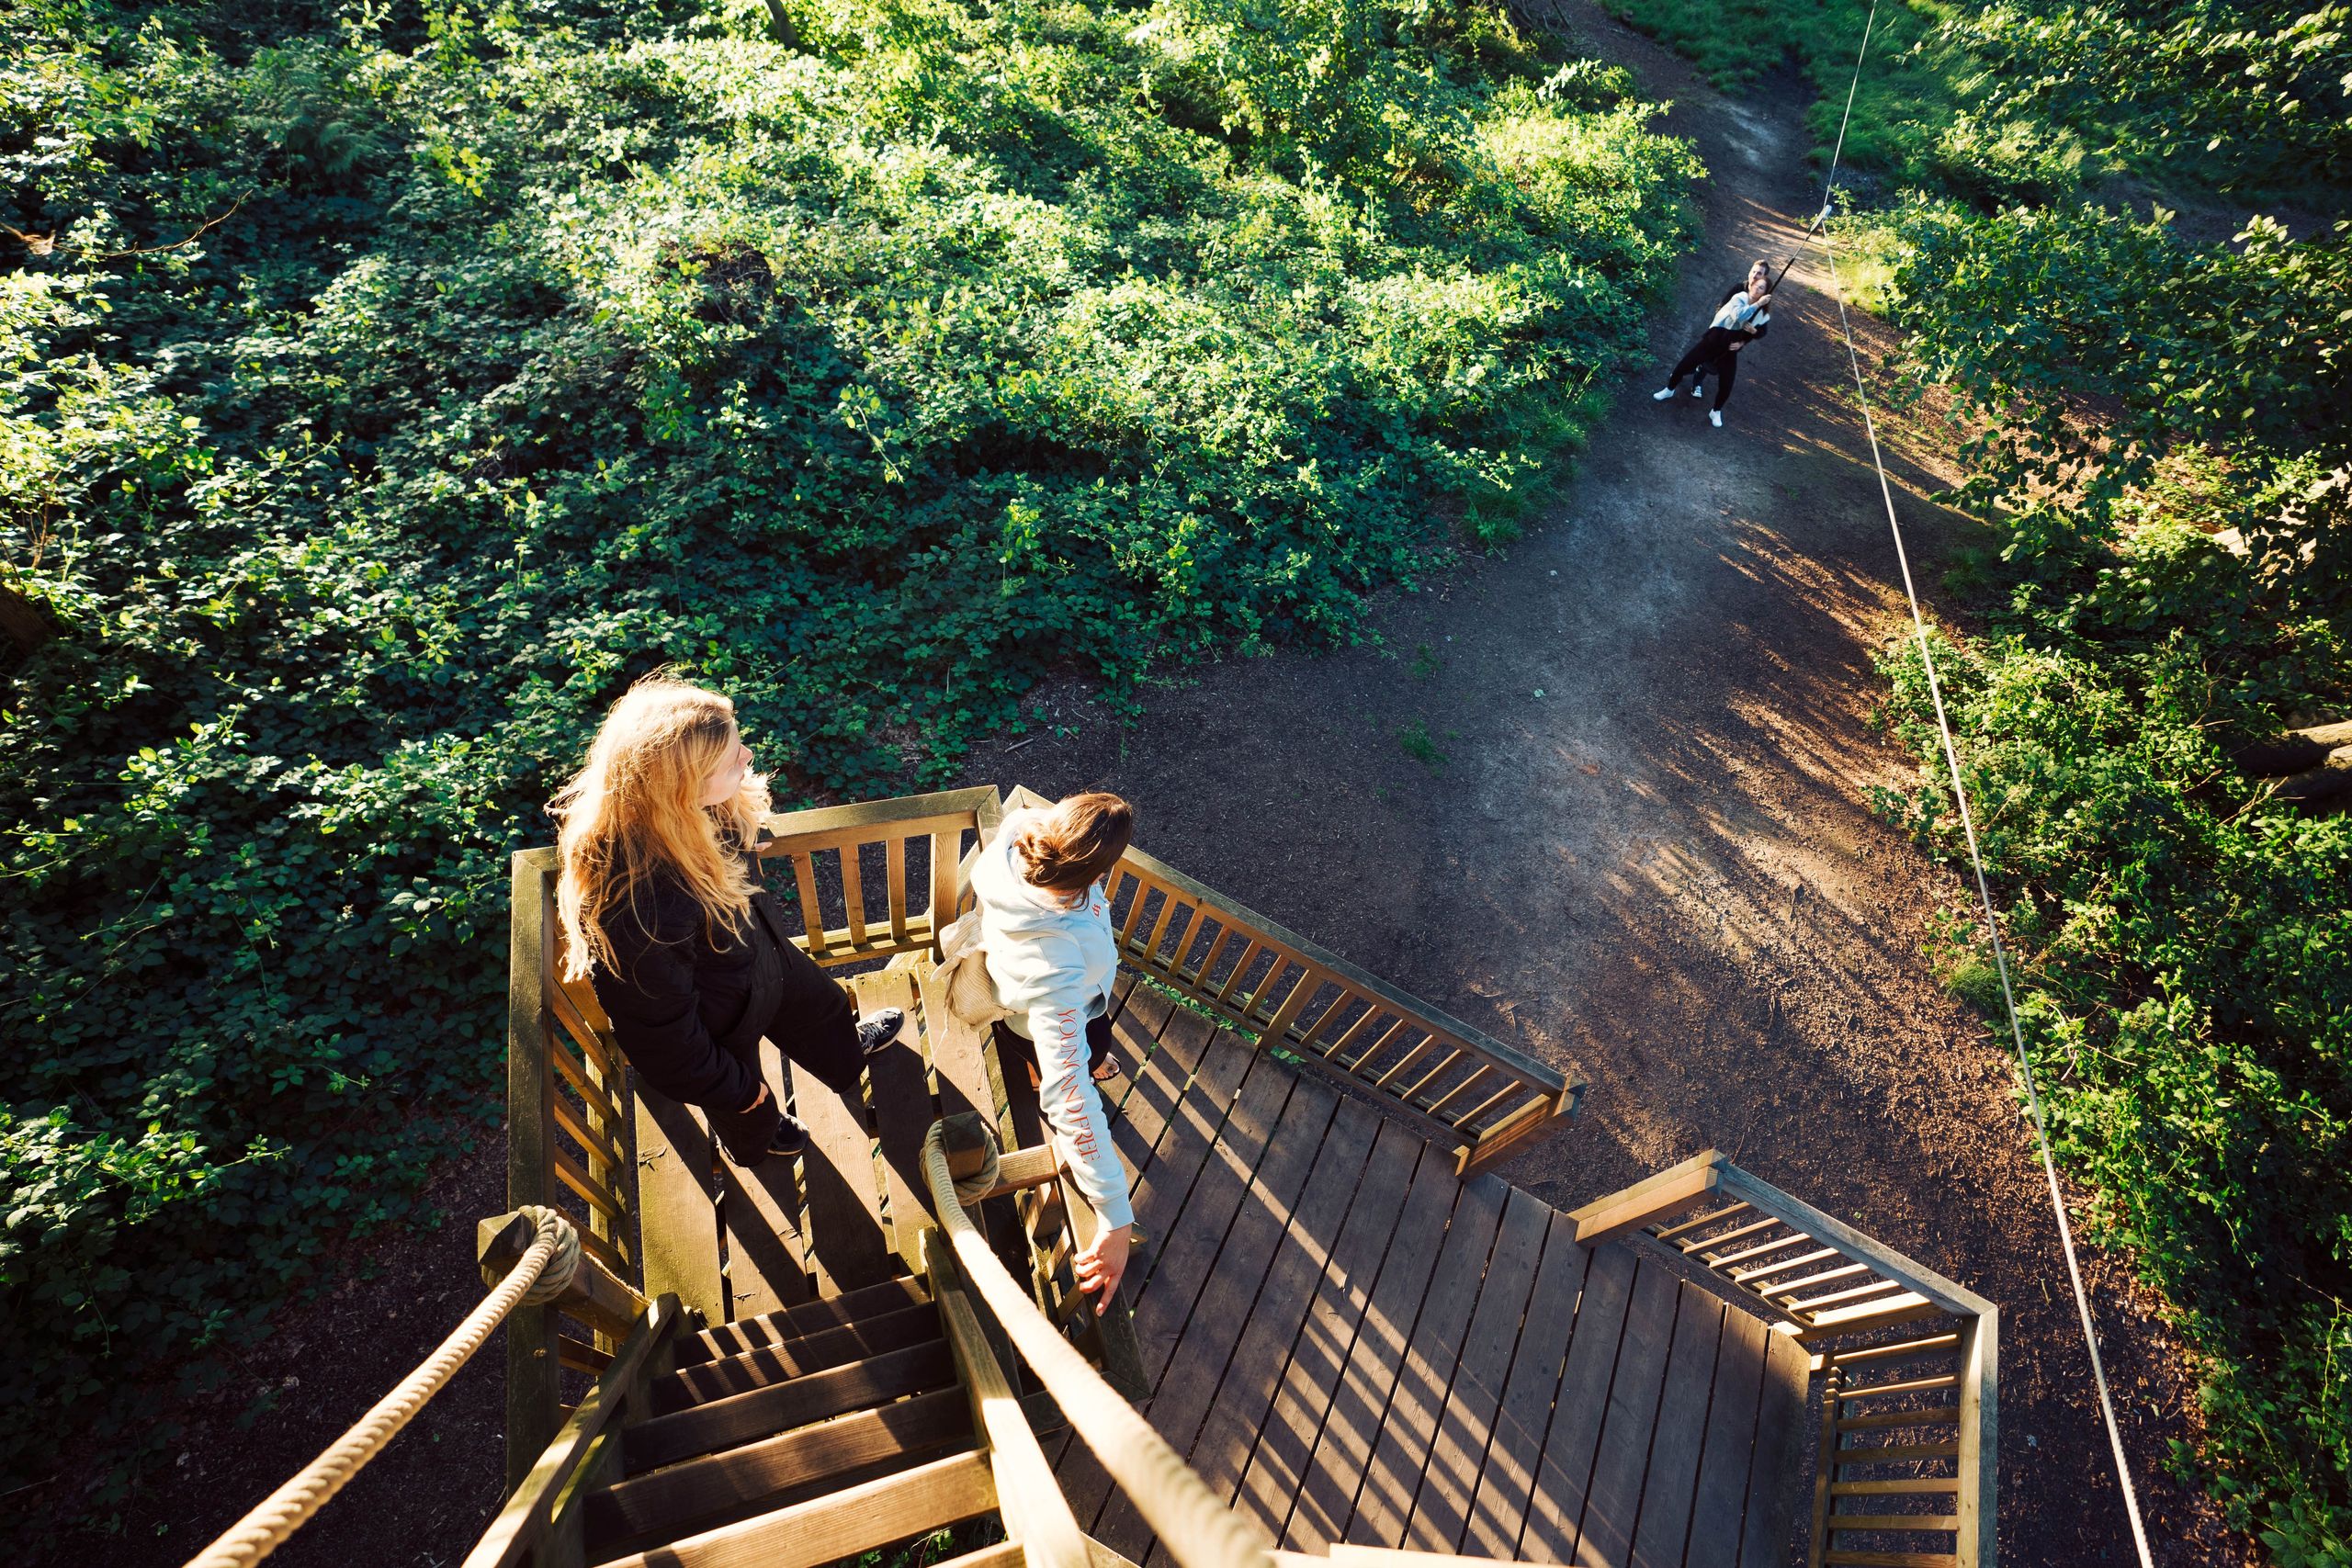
{"points": [[1351, 1424], [1186, 1262], [795, 1358], [816, 1396], [1465, 1419], [1279, 1466], [1605, 1534], [812, 913], [842, 1524], [1670, 1489], [1918, 1486], [1892, 1560], [1779, 1439], [1898, 1385], [700, 1492], [1898, 1453], [1262, 1351], [1722, 1495], [1192, 1364], [1565, 1473], [1647, 1201], [846, 1241], [1500, 1511], [1935, 1344], [1913, 1276], [902, 1113], [1942, 1522], [1187, 1088], [853, 893], [809, 1317], [1712, 1216], [677, 1196], [1941, 1416], [768, 1265]]}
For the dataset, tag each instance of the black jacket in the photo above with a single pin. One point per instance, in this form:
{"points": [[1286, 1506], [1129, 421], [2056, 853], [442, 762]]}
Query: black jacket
{"points": [[688, 1004]]}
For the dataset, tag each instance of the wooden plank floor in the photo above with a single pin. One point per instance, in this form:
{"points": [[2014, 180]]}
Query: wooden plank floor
{"points": [[1354, 1345], [1340, 1335]]}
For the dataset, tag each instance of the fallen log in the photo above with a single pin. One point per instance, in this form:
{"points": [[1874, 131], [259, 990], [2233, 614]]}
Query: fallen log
{"points": [[2296, 751], [2330, 780]]}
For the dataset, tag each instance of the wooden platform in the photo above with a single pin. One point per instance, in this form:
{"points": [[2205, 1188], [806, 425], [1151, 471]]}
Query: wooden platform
{"points": [[1355, 1345], [1339, 1333]]}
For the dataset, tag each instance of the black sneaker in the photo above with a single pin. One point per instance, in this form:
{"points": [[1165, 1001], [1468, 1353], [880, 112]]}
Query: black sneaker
{"points": [[875, 1032], [789, 1138]]}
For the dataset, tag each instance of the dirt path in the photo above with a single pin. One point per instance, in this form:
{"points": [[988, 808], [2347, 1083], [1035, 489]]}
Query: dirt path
{"points": [[1648, 851]]}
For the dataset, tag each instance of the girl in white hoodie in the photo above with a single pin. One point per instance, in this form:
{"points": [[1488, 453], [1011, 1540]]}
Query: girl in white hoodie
{"points": [[1045, 928]]}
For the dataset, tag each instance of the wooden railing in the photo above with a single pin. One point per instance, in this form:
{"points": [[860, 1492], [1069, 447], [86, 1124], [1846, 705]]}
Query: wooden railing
{"points": [[1461, 1087], [1907, 1361]]}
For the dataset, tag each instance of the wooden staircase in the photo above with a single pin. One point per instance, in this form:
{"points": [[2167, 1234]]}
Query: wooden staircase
{"points": [[855, 1391]]}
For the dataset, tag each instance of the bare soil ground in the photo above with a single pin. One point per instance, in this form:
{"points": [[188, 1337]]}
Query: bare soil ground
{"points": [[1646, 855]]}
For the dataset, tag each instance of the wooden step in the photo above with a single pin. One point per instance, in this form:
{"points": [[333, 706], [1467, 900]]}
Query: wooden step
{"points": [[797, 1401], [794, 1323], [1003, 1554], [841, 1524], [802, 1462], [795, 1358]]}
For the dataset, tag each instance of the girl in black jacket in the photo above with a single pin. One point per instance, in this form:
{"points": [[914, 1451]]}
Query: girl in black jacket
{"points": [[662, 910], [1740, 320]]}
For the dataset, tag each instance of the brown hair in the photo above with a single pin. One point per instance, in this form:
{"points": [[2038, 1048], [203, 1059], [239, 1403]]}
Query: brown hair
{"points": [[1077, 842]]}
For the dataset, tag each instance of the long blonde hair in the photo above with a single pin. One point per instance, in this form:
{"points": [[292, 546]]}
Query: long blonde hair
{"points": [[633, 808]]}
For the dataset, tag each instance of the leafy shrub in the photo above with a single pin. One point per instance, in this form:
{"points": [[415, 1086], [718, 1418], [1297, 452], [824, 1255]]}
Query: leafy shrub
{"points": [[2173, 510], [381, 391]]}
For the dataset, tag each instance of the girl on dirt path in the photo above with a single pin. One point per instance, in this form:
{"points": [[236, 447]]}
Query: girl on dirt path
{"points": [[1745, 313], [662, 910], [1046, 928]]}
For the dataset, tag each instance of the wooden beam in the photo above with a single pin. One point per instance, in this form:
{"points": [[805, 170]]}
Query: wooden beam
{"points": [[533, 1373], [1980, 1366], [1662, 1196], [842, 1524], [521, 1528]]}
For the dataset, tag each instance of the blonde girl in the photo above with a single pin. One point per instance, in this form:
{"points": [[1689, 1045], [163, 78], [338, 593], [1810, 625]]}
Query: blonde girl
{"points": [[1045, 928], [664, 912]]}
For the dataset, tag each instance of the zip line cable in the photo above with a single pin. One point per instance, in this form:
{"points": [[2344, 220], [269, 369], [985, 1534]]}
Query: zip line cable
{"points": [[1967, 822]]}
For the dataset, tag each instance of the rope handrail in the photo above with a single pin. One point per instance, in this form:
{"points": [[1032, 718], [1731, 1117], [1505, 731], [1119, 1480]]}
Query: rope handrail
{"points": [[544, 1272], [1198, 1530]]}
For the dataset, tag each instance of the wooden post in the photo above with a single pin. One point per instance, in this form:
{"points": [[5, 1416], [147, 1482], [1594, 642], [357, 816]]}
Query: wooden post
{"points": [[1980, 1365], [533, 1376], [1825, 1468]]}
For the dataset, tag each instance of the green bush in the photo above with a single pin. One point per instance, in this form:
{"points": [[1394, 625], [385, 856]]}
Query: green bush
{"points": [[382, 389], [2174, 581]]}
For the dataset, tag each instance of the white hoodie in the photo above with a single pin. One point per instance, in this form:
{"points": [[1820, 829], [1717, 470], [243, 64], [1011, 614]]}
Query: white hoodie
{"points": [[1053, 967]]}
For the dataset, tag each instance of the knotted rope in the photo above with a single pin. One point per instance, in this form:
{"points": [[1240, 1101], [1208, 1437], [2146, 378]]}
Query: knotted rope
{"points": [[1197, 1531], [541, 1275]]}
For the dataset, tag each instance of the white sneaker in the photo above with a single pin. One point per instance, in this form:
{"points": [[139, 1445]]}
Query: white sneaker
{"points": [[1661, 394], [1698, 388], [1715, 418]]}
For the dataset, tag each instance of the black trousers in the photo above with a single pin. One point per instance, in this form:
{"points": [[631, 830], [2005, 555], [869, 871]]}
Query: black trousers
{"points": [[815, 1025], [1098, 1043], [1712, 352]]}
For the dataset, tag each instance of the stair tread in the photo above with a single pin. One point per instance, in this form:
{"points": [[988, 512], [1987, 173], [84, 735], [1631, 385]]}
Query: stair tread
{"points": [[795, 1322], [839, 1524], [795, 1358], [702, 1491], [1003, 1554], [797, 1401]]}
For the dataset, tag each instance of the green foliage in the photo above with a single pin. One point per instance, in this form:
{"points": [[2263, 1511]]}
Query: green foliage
{"points": [[2174, 509], [1419, 745], [2037, 100], [382, 390]]}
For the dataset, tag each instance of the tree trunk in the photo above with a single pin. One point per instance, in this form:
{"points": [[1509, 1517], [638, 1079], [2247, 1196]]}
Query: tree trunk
{"points": [[2330, 781], [780, 25]]}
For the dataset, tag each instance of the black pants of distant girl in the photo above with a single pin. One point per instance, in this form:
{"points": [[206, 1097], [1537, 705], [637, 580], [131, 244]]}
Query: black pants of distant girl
{"points": [[1711, 353]]}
